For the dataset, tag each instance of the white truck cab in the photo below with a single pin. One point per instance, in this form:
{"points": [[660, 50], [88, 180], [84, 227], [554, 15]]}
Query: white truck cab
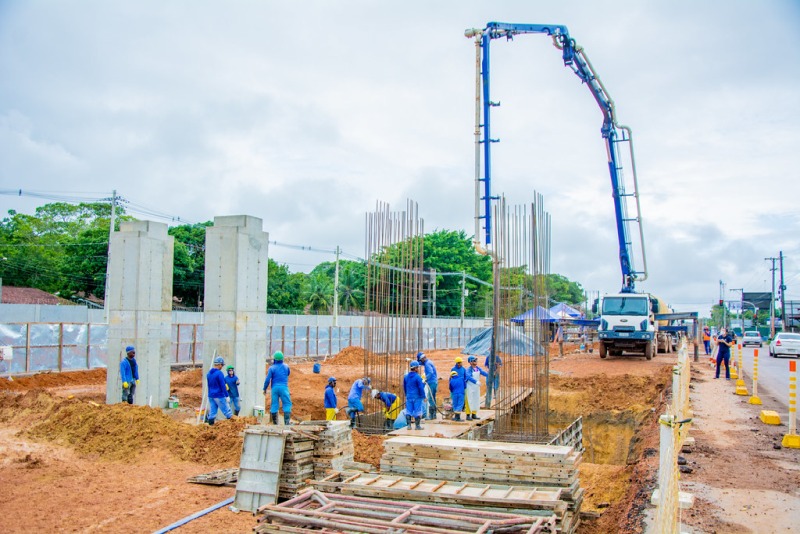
{"points": [[627, 325]]}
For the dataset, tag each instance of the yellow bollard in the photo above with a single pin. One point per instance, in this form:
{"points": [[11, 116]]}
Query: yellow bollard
{"points": [[734, 371], [754, 399], [792, 440], [740, 382]]}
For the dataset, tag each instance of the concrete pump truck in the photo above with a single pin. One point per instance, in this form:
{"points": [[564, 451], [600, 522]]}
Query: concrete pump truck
{"points": [[627, 320]]}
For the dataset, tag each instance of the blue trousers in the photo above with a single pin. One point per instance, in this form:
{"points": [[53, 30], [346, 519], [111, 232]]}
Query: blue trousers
{"points": [[458, 401], [725, 359], [414, 407], [219, 404], [236, 404], [432, 387], [707, 346], [280, 393]]}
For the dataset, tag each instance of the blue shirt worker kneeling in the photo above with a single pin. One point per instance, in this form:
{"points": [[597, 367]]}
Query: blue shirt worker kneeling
{"points": [[232, 382], [457, 388], [278, 379], [354, 404], [330, 401], [129, 374], [391, 407], [414, 388], [217, 391]]}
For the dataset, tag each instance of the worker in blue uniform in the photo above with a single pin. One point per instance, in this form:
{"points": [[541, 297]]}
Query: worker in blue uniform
{"points": [[431, 380], [217, 392], [457, 388], [414, 389], [330, 402], [129, 374], [232, 382], [354, 404], [278, 379], [391, 407]]}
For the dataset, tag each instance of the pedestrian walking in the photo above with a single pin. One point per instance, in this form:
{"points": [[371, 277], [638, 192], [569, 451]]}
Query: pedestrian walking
{"points": [[129, 374], [473, 389], [354, 404], [278, 379], [217, 391], [431, 381], [414, 389], [232, 384], [330, 402], [707, 340], [724, 343], [457, 388], [391, 407]]}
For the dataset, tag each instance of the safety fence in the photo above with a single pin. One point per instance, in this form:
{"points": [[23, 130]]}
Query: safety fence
{"points": [[674, 427], [37, 347]]}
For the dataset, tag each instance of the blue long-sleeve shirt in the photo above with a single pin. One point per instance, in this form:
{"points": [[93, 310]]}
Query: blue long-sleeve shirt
{"points": [[128, 370], [430, 372], [216, 384], [356, 390], [472, 371], [457, 384], [413, 386], [462, 372], [277, 375], [330, 397], [232, 381]]}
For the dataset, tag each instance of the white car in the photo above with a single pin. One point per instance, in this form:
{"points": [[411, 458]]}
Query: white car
{"points": [[785, 343], [751, 337]]}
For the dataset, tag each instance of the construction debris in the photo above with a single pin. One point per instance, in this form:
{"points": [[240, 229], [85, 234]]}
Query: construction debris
{"points": [[220, 477], [345, 513]]}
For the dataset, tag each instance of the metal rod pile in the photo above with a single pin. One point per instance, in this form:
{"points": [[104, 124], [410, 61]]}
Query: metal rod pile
{"points": [[519, 363]]}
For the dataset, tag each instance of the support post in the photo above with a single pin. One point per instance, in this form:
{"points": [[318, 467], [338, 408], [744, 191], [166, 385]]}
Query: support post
{"points": [[792, 439], [754, 399]]}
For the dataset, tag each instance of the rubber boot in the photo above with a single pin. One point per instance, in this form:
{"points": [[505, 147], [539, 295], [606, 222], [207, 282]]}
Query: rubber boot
{"points": [[236, 412], [287, 418], [457, 417], [353, 421], [417, 426], [469, 417], [274, 417], [210, 422], [475, 417], [408, 421]]}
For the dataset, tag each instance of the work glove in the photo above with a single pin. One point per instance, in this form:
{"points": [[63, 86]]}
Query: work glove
{"points": [[125, 385], [227, 387], [336, 410], [137, 381]]}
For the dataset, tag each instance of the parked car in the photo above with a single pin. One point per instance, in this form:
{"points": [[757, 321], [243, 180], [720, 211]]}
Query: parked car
{"points": [[785, 343], [752, 337]]}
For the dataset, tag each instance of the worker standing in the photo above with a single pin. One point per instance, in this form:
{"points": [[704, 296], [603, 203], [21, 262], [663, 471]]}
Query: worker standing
{"points": [[457, 388], [391, 406], [278, 378], [707, 339], [354, 404], [725, 342], [217, 391], [129, 374], [330, 401], [498, 363], [232, 383], [414, 389], [473, 389], [431, 380]]}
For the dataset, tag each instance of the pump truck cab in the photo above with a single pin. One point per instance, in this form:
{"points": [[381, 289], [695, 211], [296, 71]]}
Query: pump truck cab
{"points": [[628, 325]]}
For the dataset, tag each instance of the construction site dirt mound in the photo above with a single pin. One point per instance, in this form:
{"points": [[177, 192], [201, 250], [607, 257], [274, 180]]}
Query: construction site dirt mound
{"points": [[54, 379], [349, 356], [622, 392], [368, 448]]}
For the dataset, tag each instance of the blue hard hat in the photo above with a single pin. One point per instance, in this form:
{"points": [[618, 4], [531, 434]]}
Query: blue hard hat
{"points": [[414, 365], [332, 379], [420, 355], [219, 360], [130, 348], [472, 359]]}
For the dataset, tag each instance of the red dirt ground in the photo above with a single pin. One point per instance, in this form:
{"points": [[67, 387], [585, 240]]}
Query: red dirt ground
{"points": [[125, 467]]}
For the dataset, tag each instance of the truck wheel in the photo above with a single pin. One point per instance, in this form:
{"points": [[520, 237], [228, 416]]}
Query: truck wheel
{"points": [[603, 352], [649, 349]]}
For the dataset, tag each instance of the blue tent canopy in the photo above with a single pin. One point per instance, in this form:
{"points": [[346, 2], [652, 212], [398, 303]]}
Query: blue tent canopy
{"points": [[543, 314], [564, 311], [512, 342]]}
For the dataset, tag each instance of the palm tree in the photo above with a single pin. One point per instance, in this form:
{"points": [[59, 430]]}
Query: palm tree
{"points": [[319, 293], [351, 297]]}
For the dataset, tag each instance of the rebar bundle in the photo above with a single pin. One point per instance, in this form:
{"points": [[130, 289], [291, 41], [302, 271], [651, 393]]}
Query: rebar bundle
{"points": [[517, 387], [393, 300]]}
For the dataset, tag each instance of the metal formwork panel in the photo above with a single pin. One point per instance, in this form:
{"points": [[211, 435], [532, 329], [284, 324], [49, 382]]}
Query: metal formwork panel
{"points": [[259, 470]]}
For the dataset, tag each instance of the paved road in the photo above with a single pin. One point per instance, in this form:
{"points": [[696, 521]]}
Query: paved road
{"points": [[773, 375]]}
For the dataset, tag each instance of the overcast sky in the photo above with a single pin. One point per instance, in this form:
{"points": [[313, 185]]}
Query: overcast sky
{"points": [[305, 113]]}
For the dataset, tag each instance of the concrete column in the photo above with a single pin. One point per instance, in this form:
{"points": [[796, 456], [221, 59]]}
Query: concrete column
{"points": [[235, 306], [139, 305]]}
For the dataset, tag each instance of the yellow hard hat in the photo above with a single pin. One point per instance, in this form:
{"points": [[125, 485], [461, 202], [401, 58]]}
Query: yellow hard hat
{"points": [[459, 360]]}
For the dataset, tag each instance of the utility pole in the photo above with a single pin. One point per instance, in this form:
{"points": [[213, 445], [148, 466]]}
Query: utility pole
{"points": [[783, 295], [741, 305], [772, 299], [722, 301], [111, 224], [463, 295], [336, 290]]}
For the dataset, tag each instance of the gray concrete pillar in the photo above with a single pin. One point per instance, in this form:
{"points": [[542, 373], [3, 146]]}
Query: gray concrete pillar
{"points": [[235, 305], [139, 306]]}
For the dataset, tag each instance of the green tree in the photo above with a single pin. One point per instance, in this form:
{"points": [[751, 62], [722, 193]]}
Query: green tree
{"points": [[284, 289], [562, 289], [188, 274], [319, 293], [352, 277]]}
